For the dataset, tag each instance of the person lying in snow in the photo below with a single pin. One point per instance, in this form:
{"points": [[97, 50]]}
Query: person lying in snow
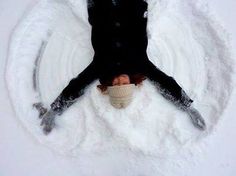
{"points": [[120, 61]]}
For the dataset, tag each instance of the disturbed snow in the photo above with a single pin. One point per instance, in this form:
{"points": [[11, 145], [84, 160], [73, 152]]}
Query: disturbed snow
{"points": [[52, 44]]}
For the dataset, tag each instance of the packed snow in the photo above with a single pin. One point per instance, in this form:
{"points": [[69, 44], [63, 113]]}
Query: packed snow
{"points": [[52, 45]]}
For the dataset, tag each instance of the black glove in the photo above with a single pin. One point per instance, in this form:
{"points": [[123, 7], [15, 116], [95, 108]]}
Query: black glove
{"points": [[196, 118], [48, 121]]}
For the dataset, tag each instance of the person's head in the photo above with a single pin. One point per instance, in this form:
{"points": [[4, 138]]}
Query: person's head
{"points": [[122, 79], [120, 89]]}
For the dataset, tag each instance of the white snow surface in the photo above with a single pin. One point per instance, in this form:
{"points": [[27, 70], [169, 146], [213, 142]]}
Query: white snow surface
{"points": [[185, 41]]}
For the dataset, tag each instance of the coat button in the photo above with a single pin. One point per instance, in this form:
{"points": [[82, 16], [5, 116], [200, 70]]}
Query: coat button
{"points": [[117, 24], [118, 44]]}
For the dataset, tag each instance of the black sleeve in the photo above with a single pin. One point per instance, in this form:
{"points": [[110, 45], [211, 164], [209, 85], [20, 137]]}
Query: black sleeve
{"points": [[91, 10], [167, 86], [75, 89]]}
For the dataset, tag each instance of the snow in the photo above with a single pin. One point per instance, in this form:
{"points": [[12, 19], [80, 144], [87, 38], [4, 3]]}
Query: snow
{"points": [[138, 158]]}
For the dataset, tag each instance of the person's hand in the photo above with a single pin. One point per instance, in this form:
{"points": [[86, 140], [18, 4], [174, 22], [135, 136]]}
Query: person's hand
{"points": [[48, 121], [42, 110], [196, 118]]}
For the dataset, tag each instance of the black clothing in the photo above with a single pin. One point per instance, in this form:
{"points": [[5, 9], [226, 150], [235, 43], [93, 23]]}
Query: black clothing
{"points": [[120, 41]]}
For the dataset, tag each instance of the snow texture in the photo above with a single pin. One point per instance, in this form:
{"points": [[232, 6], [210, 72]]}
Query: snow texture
{"points": [[52, 45]]}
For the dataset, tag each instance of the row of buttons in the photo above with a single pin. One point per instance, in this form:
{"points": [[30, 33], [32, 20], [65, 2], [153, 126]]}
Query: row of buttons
{"points": [[117, 43]]}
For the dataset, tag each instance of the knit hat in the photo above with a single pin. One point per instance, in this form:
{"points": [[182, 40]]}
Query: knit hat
{"points": [[121, 96]]}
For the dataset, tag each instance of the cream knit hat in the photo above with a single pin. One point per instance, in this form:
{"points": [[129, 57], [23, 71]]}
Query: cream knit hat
{"points": [[121, 96]]}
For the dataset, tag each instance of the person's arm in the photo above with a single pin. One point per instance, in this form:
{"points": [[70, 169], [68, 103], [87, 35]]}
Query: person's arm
{"points": [[167, 86], [170, 89], [91, 10], [75, 88], [68, 96]]}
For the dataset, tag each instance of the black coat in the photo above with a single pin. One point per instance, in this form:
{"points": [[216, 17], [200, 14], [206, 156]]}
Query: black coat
{"points": [[118, 37], [119, 41]]}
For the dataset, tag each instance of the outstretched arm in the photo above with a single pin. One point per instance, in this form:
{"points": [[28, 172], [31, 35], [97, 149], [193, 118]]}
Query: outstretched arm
{"points": [[68, 96], [75, 89], [169, 88], [91, 10]]}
